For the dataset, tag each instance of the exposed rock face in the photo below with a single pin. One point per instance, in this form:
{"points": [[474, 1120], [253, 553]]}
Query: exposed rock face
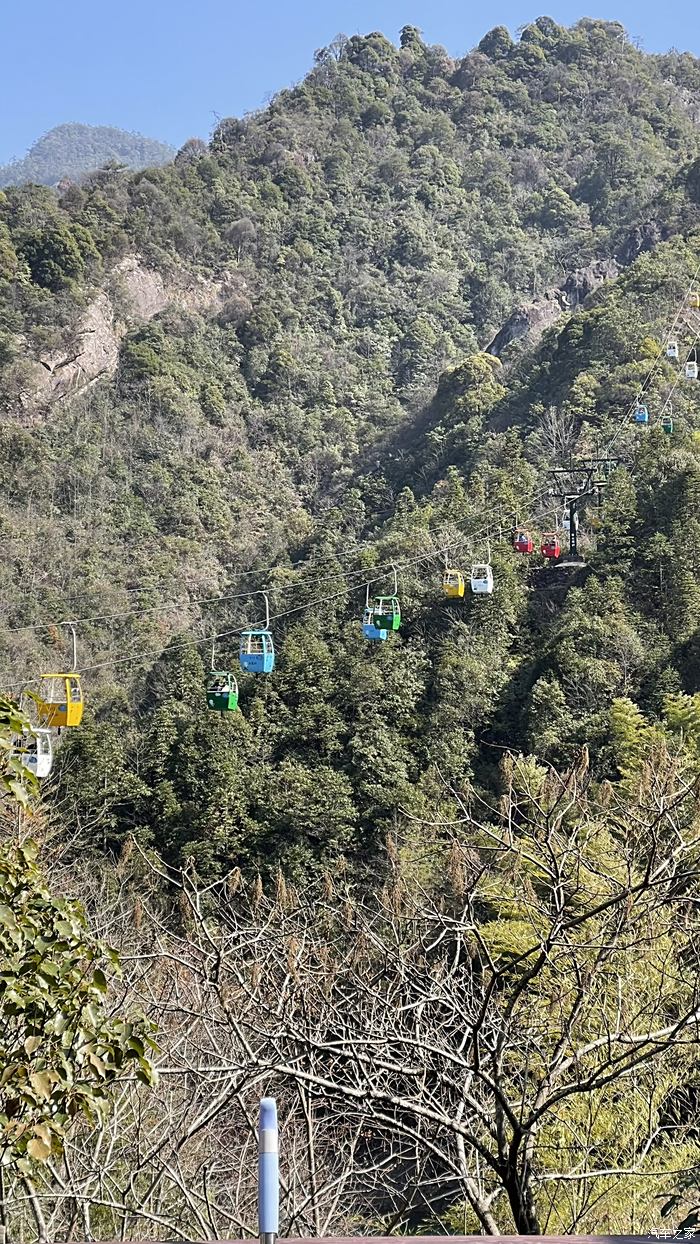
{"points": [[531, 320], [583, 281], [95, 354], [643, 238], [526, 321], [143, 288], [134, 294]]}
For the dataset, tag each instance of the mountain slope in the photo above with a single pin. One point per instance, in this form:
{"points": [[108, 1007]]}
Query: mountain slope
{"points": [[472, 847], [72, 150], [370, 231]]}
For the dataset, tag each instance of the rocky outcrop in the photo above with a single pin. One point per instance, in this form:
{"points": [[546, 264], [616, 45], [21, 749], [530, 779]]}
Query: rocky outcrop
{"points": [[643, 238], [95, 354], [583, 281], [133, 294], [527, 321], [532, 319], [141, 290]]}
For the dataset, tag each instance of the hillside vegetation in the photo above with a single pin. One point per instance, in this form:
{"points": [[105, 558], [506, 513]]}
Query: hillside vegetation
{"points": [[70, 151], [495, 810]]}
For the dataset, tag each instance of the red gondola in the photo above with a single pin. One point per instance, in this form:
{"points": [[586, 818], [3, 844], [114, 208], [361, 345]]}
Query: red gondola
{"points": [[522, 541], [550, 546]]}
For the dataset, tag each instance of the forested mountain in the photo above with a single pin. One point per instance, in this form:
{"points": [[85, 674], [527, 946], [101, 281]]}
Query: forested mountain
{"points": [[72, 150], [356, 333]]}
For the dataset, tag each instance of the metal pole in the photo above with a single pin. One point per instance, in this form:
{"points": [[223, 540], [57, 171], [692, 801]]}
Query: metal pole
{"points": [[573, 534], [267, 610], [72, 626], [268, 1172]]}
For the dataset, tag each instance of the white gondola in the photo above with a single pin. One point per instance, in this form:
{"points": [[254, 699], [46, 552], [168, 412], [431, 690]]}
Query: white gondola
{"points": [[691, 370], [672, 350], [481, 580], [566, 520], [37, 753]]}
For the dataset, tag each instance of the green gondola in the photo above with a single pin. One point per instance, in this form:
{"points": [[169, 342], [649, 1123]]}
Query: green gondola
{"points": [[222, 691], [387, 613]]}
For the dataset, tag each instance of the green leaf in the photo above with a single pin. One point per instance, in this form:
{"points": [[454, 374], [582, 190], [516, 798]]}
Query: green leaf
{"points": [[99, 980]]}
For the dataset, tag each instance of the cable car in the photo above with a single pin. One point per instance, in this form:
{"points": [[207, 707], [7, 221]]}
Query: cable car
{"points": [[453, 583], [370, 629], [387, 612], [691, 369], [386, 609], [222, 688], [550, 546], [257, 650], [694, 300], [222, 691], [481, 580], [566, 520], [522, 541], [59, 701], [672, 350], [641, 414], [667, 424], [36, 752]]}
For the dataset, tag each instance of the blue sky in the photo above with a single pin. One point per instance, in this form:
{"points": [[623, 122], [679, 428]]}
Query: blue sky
{"points": [[168, 68]]}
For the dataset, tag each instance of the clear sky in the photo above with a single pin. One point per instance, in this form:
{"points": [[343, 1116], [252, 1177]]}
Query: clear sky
{"points": [[169, 68]]}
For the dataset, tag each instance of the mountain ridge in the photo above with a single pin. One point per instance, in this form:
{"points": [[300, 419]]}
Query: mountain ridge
{"points": [[74, 149]]}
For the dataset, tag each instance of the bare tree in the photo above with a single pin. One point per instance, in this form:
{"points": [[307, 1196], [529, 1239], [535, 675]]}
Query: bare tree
{"points": [[556, 435], [513, 1039]]}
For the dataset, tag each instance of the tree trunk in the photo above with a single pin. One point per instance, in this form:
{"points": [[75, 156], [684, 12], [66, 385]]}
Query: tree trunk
{"points": [[520, 1198]]}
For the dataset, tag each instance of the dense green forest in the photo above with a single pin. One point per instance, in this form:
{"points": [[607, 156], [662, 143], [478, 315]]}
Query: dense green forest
{"points": [[422, 286], [68, 152]]}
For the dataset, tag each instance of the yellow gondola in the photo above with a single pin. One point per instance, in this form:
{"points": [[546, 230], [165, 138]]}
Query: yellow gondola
{"points": [[453, 583], [59, 701], [694, 299]]}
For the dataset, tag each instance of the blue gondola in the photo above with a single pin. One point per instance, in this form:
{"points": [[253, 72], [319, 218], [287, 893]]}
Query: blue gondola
{"points": [[641, 414], [369, 630], [257, 655], [257, 651]]}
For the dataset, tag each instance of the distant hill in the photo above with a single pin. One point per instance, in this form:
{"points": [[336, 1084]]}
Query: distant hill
{"points": [[73, 150]]}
